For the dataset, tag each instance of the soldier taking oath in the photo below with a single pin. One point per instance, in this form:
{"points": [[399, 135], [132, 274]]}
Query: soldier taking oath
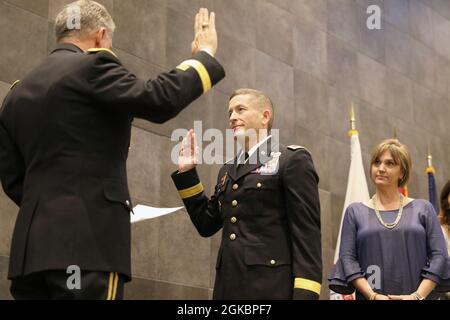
{"points": [[266, 202]]}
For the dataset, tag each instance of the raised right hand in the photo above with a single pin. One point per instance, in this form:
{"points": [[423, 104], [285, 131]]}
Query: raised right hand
{"points": [[188, 157], [205, 32]]}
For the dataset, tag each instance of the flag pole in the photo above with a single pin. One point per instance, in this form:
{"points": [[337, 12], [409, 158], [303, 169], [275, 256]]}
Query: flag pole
{"points": [[430, 171]]}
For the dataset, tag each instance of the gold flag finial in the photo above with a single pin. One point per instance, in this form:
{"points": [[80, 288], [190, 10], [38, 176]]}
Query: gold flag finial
{"points": [[429, 157], [352, 130], [430, 168], [352, 117]]}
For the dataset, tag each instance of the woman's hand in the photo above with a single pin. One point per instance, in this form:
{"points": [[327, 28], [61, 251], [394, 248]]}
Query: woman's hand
{"points": [[402, 297], [381, 297]]}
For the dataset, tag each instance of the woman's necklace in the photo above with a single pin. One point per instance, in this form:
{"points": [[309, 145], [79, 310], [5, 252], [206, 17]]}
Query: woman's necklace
{"points": [[399, 214]]}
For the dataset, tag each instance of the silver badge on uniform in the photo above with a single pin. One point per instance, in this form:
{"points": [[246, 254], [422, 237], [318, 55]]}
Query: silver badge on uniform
{"points": [[271, 166]]}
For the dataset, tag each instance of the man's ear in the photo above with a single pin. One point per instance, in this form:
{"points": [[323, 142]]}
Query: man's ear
{"points": [[266, 116], [99, 36]]}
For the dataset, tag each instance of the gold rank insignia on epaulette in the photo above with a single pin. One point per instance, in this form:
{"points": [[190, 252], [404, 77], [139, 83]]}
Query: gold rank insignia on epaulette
{"points": [[96, 50], [14, 84], [201, 70]]}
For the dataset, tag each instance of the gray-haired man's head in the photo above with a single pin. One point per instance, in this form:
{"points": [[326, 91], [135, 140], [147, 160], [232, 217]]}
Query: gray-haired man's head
{"points": [[82, 19]]}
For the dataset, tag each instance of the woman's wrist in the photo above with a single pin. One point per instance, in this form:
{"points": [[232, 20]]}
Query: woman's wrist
{"points": [[373, 296], [417, 295]]}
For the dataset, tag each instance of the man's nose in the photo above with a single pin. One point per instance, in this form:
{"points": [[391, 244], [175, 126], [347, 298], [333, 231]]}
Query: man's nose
{"points": [[233, 117]]}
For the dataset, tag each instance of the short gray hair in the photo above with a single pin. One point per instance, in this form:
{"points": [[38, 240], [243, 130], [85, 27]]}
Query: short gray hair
{"points": [[261, 99], [92, 16]]}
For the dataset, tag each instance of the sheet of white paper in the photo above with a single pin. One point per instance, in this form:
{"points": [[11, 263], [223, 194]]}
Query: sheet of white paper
{"points": [[142, 212]]}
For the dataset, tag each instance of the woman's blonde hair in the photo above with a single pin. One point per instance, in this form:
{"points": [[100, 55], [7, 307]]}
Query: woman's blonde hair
{"points": [[400, 155]]}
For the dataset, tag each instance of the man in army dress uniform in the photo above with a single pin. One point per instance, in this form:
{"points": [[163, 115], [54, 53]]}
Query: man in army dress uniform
{"points": [[267, 204], [64, 139]]}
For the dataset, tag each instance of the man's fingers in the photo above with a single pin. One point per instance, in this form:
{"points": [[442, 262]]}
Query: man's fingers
{"points": [[183, 146], [192, 143], [203, 16], [197, 25], [212, 21], [183, 142], [189, 153], [196, 154], [206, 16], [186, 143], [203, 20], [200, 18]]}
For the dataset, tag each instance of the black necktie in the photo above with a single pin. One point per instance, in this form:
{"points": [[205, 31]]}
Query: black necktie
{"points": [[243, 160]]}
